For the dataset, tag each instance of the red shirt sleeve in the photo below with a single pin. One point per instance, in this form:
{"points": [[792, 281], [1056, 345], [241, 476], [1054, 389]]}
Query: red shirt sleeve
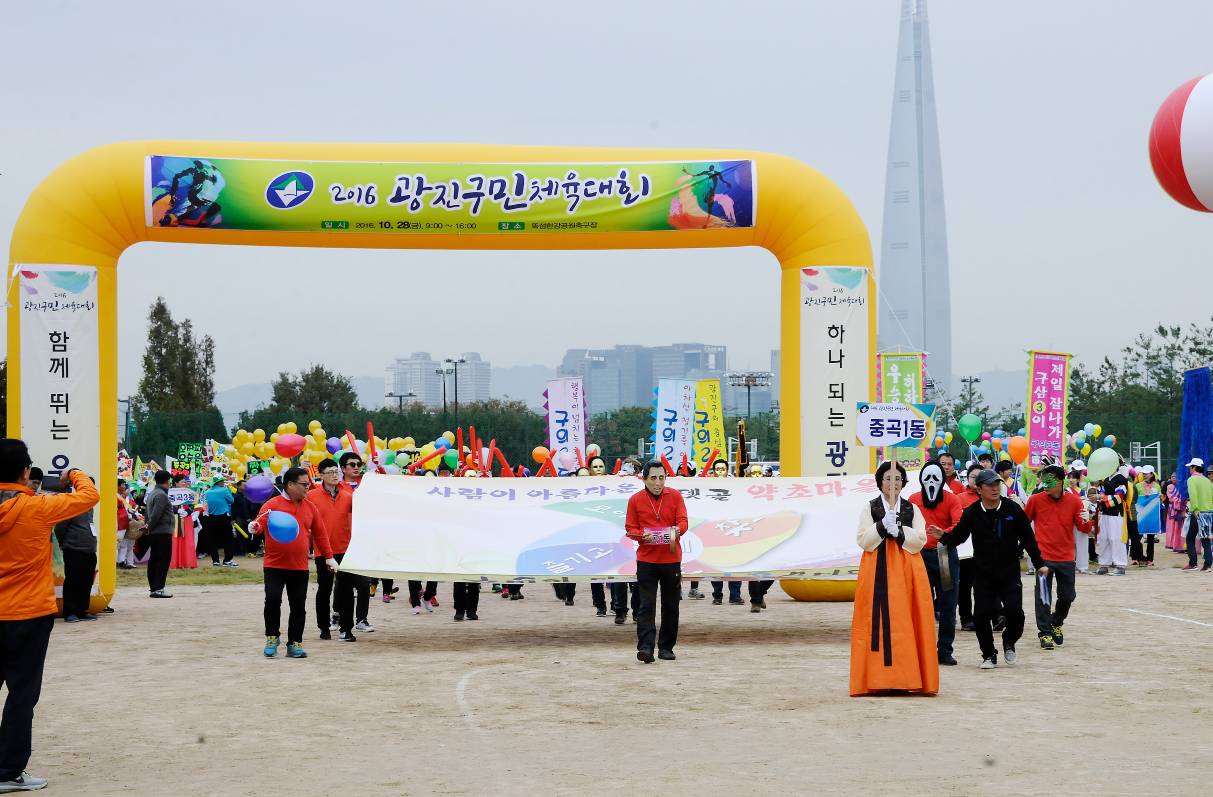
{"points": [[955, 510], [681, 517], [631, 520]]}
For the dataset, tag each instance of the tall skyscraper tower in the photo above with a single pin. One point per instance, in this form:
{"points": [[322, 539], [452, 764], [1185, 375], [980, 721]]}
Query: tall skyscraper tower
{"points": [[915, 302]]}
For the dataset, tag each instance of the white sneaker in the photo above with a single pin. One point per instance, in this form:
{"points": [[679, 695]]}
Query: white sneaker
{"points": [[23, 782], [429, 607], [988, 664], [416, 610], [1008, 655], [363, 625]]}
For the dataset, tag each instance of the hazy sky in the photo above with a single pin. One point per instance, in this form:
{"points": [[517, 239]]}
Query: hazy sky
{"points": [[1058, 234]]}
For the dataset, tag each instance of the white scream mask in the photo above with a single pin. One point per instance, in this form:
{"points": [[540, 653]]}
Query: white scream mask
{"points": [[931, 480]]}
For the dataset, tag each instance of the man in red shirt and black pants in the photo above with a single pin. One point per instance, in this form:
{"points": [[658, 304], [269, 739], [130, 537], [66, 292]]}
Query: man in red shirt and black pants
{"points": [[656, 519], [1055, 513]]}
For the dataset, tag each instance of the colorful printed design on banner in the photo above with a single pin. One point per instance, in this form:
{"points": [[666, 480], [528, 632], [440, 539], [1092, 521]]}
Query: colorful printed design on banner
{"points": [[894, 425], [564, 401], [834, 345], [551, 530], [1048, 399], [60, 381], [899, 380], [709, 423], [673, 420], [1149, 514], [462, 198]]}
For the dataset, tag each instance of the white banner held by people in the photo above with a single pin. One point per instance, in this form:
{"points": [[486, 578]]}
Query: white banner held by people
{"points": [[60, 381], [834, 369], [565, 403], [537, 530], [674, 421]]}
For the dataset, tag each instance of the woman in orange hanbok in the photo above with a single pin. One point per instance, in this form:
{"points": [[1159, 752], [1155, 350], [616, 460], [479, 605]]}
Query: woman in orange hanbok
{"points": [[893, 630]]}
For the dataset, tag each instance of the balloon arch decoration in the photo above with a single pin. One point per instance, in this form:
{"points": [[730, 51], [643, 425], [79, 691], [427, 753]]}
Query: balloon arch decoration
{"points": [[66, 245]]}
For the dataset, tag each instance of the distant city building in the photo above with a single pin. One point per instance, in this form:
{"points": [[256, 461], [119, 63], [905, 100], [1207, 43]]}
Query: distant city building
{"points": [[624, 376], [419, 373]]}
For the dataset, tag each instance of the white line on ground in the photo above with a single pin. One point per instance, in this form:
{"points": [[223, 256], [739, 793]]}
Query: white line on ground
{"points": [[1169, 617], [461, 701]]}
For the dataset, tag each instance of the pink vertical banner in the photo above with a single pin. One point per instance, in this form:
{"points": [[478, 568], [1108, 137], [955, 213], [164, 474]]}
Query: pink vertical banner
{"points": [[1048, 403]]}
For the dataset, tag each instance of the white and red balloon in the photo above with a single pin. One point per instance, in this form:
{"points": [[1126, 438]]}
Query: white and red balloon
{"points": [[1181, 144]]}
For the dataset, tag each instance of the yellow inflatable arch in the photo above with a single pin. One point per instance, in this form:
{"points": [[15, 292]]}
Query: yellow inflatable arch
{"points": [[381, 196]]}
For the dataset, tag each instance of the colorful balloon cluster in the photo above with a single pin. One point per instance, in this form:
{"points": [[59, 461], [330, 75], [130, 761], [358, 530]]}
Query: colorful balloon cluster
{"points": [[999, 443], [1086, 439]]}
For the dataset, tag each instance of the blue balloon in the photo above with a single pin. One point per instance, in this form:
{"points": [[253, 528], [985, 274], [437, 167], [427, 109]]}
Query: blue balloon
{"points": [[1022, 431], [442, 444], [1089, 429], [283, 526]]}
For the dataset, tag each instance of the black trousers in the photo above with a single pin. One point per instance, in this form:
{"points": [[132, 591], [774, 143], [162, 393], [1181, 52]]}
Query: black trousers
{"points": [[78, 570], [295, 583], [23, 646], [161, 546], [964, 591], [734, 590], [217, 530], [466, 596], [598, 594], [649, 578], [1063, 597], [345, 589], [995, 594], [758, 590], [565, 591], [416, 596], [619, 598]]}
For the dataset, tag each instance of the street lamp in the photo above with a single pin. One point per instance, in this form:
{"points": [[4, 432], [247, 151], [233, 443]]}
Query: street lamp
{"points": [[400, 397], [443, 372], [455, 363], [749, 380], [968, 382]]}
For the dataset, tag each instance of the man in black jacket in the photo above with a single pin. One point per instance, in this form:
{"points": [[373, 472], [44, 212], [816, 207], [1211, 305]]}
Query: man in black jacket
{"points": [[161, 523], [999, 528]]}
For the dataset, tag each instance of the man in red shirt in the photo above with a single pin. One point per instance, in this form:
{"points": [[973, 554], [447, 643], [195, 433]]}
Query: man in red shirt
{"points": [[941, 510], [964, 595], [334, 500], [656, 519], [286, 563], [1055, 513], [950, 479]]}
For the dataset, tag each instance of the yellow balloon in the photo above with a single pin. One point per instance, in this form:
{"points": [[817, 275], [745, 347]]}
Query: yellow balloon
{"points": [[274, 437], [258, 435], [395, 444], [409, 443], [276, 465], [319, 436], [247, 448], [290, 428], [1098, 430], [313, 425], [450, 437]]}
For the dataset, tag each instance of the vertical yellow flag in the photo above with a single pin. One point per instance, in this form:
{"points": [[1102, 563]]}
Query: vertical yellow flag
{"points": [[709, 423]]}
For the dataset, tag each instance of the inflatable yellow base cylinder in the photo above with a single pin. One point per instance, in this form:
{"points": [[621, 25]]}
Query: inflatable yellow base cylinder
{"points": [[812, 589]]}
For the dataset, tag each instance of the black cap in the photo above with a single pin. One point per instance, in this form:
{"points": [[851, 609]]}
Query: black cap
{"points": [[987, 477]]}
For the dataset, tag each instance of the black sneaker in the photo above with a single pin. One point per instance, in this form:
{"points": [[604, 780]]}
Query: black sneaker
{"points": [[968, 626], [1058, 636], [472, 616], [601, 611], [946, 660], [1046, 642], [717, 601], [644, 656], [762, 603], [568, 601], [665, 655], [346, 636], [325, 634], [736, 602], [459, 617], [620, 619]]}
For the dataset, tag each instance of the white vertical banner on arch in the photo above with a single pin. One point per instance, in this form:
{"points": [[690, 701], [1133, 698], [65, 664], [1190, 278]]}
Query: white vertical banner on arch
{"points": [[834, 368], [565, 403], [60, 376], [673, 421]]}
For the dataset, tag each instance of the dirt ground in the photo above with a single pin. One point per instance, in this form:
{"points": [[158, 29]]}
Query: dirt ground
{"points": [[174, 697]]}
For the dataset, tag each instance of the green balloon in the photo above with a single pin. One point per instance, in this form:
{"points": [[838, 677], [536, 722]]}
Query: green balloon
{"points": [[1102, 464], [451, 459], [970, 427], [389, 458]]}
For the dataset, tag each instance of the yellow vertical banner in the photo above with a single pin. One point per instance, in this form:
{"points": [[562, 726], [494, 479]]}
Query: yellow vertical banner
{"points": [[709, 423]]}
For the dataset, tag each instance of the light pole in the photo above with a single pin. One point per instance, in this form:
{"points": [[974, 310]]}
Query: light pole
{"points": [[455, 363], [749, 380], [400, 397], [126, 425], [968, 382], [443, 372]]}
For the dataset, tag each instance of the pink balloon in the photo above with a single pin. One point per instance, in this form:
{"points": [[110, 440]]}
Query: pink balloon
{"points": [[985, 435], [567, 460]]}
